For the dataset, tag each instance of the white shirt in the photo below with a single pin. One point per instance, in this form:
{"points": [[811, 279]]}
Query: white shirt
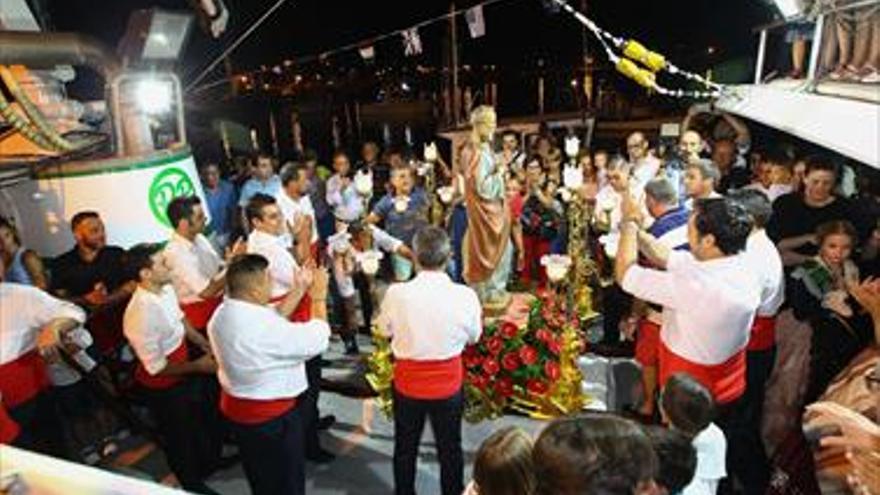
{"points": [[708, 306], [153, 325], [689, 203], [282, 264], [644, 170], [430, 318], [24, 311], [260, 354], [193, 265], [763, 259], [291, 209], [711, 447], [608, 204]]}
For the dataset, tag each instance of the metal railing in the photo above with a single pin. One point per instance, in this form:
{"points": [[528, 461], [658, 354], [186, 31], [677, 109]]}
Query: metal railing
{"points": [[816, 48]]}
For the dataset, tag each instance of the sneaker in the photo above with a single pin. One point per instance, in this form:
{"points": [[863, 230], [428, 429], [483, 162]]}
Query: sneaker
{"points": [[325, 422]]}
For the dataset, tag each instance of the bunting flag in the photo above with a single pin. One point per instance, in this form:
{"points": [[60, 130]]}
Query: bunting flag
{"points": [[368, 52], [475, 21], [412, 42]]}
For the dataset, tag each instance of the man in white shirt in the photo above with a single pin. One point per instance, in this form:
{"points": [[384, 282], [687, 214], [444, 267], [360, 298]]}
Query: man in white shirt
{"points": [[709, 298], [763, 259], [268, 239], [645, 166], [33, 325], [196, 268], [262, 356], [159, 333], [700, 179], [427, 360], [296, 207]]}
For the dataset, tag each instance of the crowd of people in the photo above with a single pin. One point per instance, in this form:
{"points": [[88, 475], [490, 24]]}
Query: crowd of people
{"points": [[708, 249]]}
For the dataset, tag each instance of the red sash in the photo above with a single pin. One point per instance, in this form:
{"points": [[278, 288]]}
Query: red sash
{"points": [[106, 328], [303, 311], [726, 381], [159, 382], [763, 335], [428, 380], [23, 378], [199, 313], [253, 411], [647, 341], [9, 429]]}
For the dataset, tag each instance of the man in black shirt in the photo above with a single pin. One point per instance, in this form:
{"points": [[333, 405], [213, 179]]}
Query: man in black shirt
{"points": [[92, 275]]}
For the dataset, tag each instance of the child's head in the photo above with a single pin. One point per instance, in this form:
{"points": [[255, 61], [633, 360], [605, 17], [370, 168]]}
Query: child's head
{"points": [[341, 165], [402, 179], [514, 187], [677, 459], [361, 238], [503, 465], [836, 240], [686, 405]]}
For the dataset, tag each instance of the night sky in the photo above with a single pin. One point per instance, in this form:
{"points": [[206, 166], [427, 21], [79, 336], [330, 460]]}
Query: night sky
{"points": [[519, 32]]}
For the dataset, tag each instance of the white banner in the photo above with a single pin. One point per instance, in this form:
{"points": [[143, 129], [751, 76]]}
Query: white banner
{"points": [[475, 21]]}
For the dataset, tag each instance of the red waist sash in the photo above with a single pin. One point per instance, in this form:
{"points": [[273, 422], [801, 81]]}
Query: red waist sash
{"points": [[303, 311], [428, 379], [159, 382], [763, 334], [199, 313], [9, 429], [726, 381], [23, 378], [253, 411]]}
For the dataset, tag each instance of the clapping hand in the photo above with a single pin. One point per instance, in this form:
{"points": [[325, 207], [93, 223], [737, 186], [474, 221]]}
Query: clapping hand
{"points": [[856, 431], [239, 247]]}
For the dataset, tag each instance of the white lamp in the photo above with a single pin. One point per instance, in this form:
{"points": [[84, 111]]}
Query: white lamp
{"points": [[369, 261], [572, 146], [363, 182], [445, 193], [557, 266]]}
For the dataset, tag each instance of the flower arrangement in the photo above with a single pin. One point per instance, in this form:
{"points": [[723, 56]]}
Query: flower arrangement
{"points": [[529, 369]]}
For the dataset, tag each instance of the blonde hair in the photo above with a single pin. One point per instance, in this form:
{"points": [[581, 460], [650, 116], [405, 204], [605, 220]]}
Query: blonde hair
{"points": [[503, 465], [481, 117]]}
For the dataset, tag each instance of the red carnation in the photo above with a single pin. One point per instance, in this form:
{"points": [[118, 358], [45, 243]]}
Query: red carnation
{"points": [[490, 366], [554, 346], [509, 330], [471, 357], [495, 344], [551, 369], [528, 355], [537, 387], [504, 386], [510, 361]]}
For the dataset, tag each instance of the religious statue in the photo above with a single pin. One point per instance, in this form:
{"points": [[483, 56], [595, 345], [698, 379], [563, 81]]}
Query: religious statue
{"points": [[487, 248]]}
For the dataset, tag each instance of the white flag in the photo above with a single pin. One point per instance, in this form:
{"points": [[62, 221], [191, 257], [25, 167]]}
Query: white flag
{"points": [[367, 52], [412, 42], [476, 23]]}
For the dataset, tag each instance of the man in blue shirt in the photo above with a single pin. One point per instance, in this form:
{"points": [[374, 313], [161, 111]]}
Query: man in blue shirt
{"points": [[221, 197]]}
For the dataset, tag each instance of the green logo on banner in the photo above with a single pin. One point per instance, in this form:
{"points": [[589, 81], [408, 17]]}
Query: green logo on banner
{"points": [[169, 184]]}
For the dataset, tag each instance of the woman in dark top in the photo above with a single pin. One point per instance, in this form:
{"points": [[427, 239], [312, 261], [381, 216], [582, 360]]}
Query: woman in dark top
{"points": [[797, 215], [818, 295]]}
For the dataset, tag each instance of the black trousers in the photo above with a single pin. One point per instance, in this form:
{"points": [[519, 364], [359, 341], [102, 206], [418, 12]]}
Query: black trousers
{"points": [[41, 429], [746, 460], [308, 404], [179, 414], [362, 284], [273, 454], [759, 366], [409, 422]]}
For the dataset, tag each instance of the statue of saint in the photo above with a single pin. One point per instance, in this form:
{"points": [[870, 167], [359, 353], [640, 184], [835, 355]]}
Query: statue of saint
{"points": [[487, 248]]}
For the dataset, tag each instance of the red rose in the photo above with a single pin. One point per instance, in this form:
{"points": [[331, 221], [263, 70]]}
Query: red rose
{"points": [[479, 381], [537, 387], [554, 346], [543, 335], [495, 344], [551, 369], [510, 361], [528, 355], [509, 330], [504, 386], [471, 357], [490, 366]]}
